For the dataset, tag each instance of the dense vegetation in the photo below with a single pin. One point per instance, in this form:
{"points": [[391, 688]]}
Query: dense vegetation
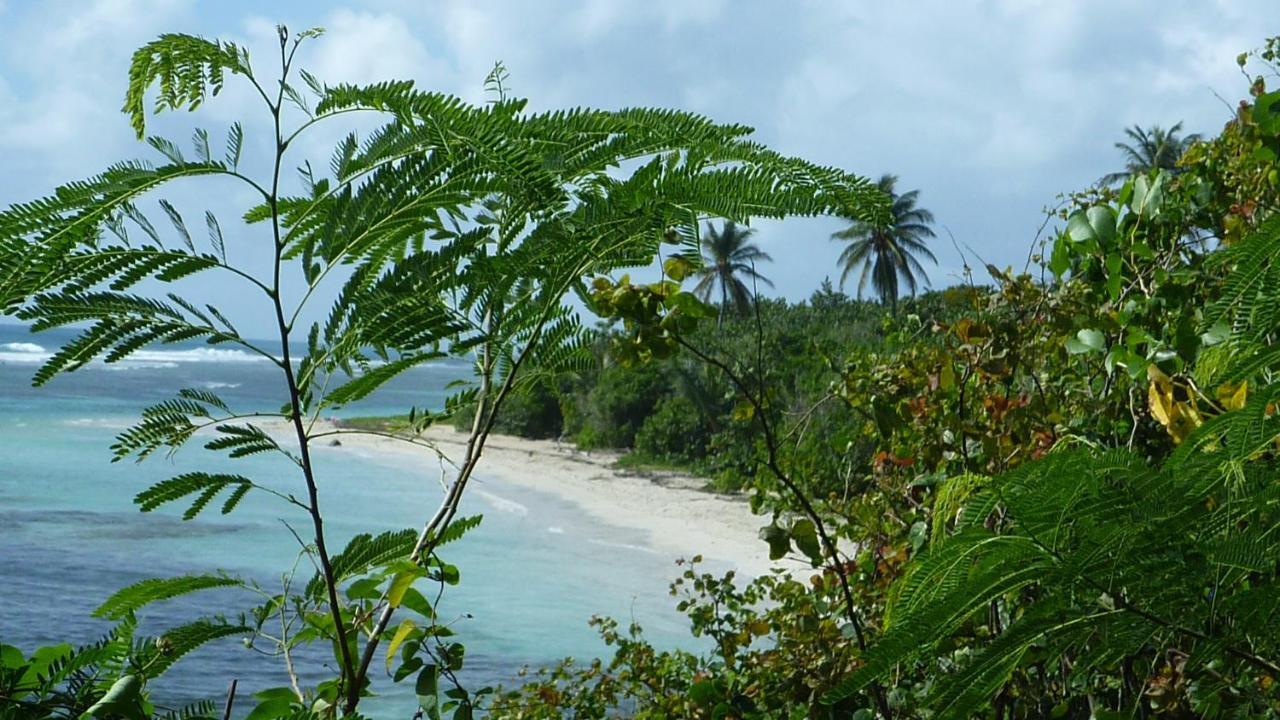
{"points": [[1049, 495], [1054, 496]]}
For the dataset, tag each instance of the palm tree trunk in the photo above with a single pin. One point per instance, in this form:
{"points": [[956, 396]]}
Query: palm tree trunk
{"points": [[724, 302]]}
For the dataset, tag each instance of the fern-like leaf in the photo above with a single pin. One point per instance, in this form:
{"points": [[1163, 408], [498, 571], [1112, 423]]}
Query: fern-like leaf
{"points": [[128, 600]]}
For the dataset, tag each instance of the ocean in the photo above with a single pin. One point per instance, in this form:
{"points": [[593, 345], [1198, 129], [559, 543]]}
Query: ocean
{"points": [[533, 573]]}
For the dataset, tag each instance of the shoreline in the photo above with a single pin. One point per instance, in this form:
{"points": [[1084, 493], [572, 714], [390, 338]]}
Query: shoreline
{"points": [[677, 517]]}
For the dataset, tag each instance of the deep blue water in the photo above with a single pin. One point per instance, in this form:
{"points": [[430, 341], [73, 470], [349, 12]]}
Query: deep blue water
{"points": [[532, 574]]}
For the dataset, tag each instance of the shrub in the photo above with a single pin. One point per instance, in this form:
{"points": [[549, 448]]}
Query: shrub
{"points": [[674, 432]]}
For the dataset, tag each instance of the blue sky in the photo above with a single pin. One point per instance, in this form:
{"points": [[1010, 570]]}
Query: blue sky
{"points": [[991, 108]]}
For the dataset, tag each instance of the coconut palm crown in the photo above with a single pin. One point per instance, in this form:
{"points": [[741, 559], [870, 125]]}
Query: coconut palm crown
{"points": [[1153, 148], [727, 258], [888, 253]]}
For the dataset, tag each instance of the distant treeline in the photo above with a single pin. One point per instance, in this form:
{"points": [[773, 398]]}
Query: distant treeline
{"points": [[682, 414]]}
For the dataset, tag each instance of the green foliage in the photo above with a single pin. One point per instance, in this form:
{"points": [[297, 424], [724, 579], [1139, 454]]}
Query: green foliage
{"points": [[106, 679], [533, 413], [1052, 497], [207, 485], [617, 405], [774, 649], [673, 432], [129, 600], [187, 69]]}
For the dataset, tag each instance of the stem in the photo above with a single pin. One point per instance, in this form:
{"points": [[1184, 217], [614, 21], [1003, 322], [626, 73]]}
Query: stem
{"points": [[231, 699], [771, 461], [481, 427], [295, 402]]}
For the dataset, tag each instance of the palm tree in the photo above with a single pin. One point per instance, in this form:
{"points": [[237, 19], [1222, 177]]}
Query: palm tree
{"points": [[727, 257], [1153, 148], [887, 253]]}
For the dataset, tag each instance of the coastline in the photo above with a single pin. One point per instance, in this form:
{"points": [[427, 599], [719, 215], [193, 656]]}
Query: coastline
{"points": [[679, 519]]}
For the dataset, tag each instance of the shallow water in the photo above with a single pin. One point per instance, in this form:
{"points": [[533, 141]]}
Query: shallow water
{"points": [[533, 573]]}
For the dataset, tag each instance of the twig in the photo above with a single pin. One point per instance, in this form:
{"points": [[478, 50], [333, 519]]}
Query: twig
{"points": [[231, 699], [771, 462]]}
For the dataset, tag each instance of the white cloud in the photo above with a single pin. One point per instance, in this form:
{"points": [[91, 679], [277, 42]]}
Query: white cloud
{"points": [[990, 108], [364, 47]]}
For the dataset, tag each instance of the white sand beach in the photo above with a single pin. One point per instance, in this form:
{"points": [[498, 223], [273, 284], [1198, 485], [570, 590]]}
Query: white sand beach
{"points": [[679, 518]]}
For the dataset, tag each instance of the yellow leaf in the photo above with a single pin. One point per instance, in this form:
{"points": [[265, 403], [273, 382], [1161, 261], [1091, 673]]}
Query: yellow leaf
{"points": [[1160, 396], [1186, 418], [947, 376], [400, 585], [1178, 418], [1232, 396], [402, 632]]}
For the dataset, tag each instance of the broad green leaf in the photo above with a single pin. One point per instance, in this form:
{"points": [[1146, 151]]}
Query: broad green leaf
{"points": [[271, 709], [677, 268], [1060, 257], [1115, 276], [805, 536], [1102, 219], [779, 541], [1093, 228], [122, 700], [1148, 195], [427, 688], [1085, 341], [1266, 113]]}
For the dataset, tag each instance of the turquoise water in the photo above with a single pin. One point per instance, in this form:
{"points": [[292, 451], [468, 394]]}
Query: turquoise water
{"points": [[532, 575]]}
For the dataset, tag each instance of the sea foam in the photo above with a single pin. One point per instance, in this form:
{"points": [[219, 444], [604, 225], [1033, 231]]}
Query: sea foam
{"points": [[30, 353]]}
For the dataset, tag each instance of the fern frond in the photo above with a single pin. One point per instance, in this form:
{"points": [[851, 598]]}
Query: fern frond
{"points": [[159, 654], [457, 529], [126, 601], [206, 486], [244, 440], [365, 552], [186, 68]]}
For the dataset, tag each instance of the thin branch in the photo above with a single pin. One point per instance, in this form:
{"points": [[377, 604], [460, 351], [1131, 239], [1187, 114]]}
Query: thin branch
{"points": [[772, 462]]}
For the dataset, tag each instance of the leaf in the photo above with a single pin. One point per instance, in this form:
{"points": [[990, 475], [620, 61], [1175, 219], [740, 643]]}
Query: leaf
{"points": [[1086, 341], [122, 699], [1179, 418], [235, 143], [1060, 257], [1266, 113], [677, 268], [1232, 396], [276, 707], [1216, 334], [1094, 227], [407, 626], [1115, 276], [215, 235], [779, 541], [1148, 195], [400, 583], [805, 536], [133, 597], [427, 688], [205, 486]]}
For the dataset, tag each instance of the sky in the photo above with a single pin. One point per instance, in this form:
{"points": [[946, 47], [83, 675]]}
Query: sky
{"points": [[991, 108]]}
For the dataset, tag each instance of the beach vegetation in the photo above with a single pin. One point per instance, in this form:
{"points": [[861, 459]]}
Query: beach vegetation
{"points": [[1057, 495]]}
